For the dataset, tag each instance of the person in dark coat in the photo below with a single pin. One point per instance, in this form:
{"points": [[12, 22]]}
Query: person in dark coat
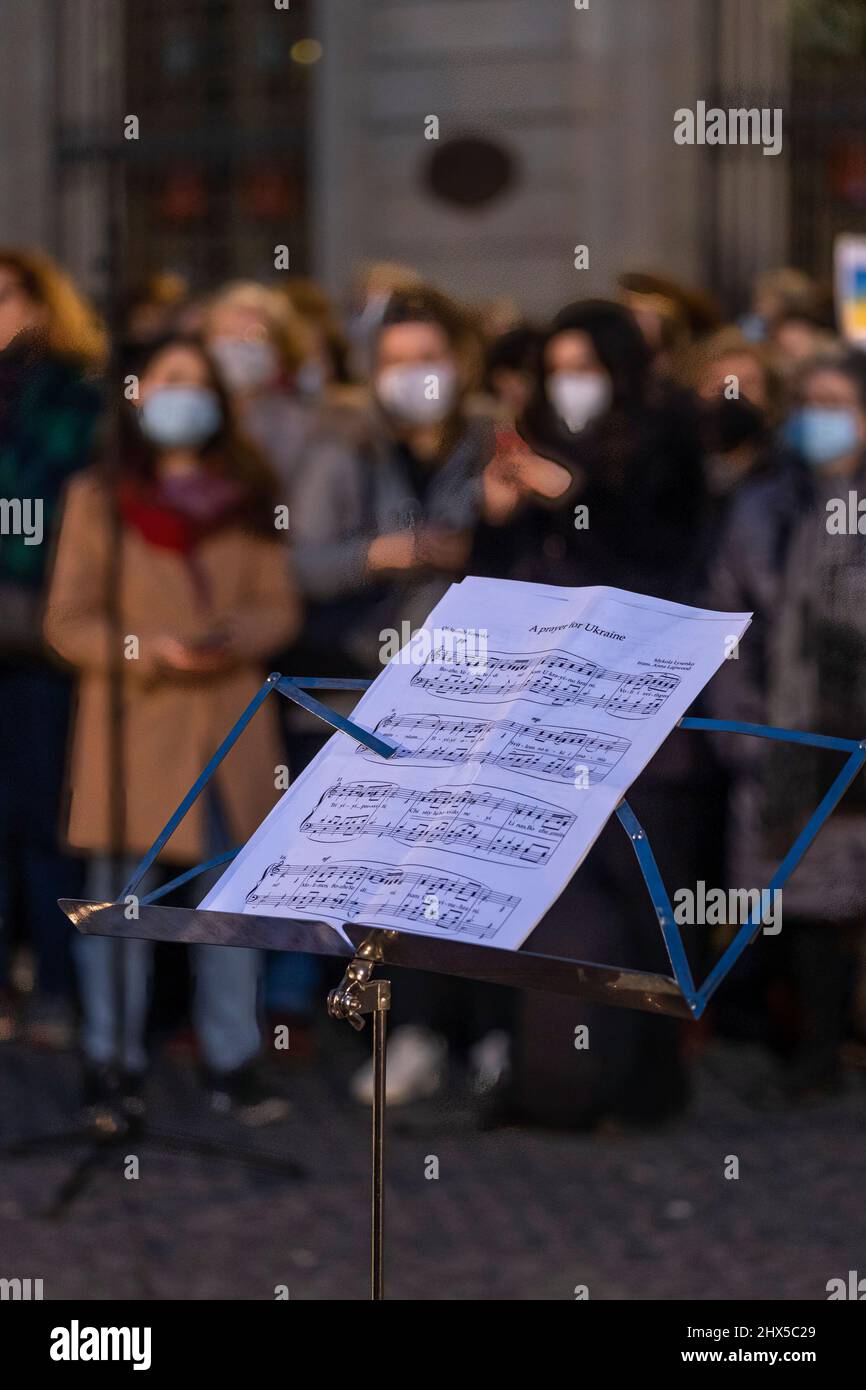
{"points": [[52, 350], [793, 552], [739, 399], [632, 453], [629, 518]]}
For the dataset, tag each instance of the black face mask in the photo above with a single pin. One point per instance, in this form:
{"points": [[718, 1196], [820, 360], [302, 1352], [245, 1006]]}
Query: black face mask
{"points": [[726, 424]]}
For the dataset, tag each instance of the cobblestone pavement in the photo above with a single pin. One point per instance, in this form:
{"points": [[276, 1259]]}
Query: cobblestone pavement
{"points": [[514, 1214]]}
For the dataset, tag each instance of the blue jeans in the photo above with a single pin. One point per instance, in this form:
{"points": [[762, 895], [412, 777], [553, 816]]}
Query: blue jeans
{"points": [[226, 982]]}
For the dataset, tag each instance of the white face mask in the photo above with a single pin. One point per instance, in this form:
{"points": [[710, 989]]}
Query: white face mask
{"points": [[578, 397], [422, 394], [180, 417], [246, 363]]}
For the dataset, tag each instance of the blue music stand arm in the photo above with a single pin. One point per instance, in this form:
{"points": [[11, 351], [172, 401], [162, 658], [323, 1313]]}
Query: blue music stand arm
{"points": [[659, 898], [823, 810], [294, 688], [197, 788], [736, 726], [188, 874], [698, 998]]}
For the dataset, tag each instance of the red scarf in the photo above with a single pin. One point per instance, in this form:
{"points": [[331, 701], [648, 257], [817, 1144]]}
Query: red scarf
{"points": [[178, 513]]}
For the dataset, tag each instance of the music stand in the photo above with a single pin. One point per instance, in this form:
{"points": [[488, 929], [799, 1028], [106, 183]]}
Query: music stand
{"points": [[358, 994]]}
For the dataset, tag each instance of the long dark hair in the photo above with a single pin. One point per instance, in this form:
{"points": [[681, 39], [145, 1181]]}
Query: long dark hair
{"points": [[618, 343], [620, 348], [129, 456]]}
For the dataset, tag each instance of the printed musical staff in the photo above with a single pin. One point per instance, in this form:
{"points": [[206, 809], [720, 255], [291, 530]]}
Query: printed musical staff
{"points": [[483, 822], [383, 896], [535, 750], [550, 678]]}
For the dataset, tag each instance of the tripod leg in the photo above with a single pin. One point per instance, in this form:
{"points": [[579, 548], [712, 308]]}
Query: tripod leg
{"points": [[78, 1180], [163, 1140]]}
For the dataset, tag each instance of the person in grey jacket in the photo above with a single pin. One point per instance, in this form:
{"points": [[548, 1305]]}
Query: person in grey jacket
{"points": [[791, 554], [384, 508]]}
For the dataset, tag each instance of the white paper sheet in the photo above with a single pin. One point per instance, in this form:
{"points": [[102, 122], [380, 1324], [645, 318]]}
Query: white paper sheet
{"points": [[515, 750]]}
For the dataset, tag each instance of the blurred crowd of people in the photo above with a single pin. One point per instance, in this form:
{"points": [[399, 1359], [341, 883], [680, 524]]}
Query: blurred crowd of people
{"points": [[261, 479]]}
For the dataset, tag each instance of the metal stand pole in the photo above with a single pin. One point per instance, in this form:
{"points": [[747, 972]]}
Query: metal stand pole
{"points": [[377, 1210], [355, 996]]}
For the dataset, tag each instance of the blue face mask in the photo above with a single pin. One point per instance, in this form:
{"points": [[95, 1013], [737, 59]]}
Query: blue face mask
{"points": [[753, 327], [177, 417], [822, 435]]}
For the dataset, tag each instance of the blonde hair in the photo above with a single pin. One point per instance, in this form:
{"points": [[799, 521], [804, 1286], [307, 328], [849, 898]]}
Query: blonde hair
{"points": [[795, 291], [73, 327], [387, 277], [285, 327]]}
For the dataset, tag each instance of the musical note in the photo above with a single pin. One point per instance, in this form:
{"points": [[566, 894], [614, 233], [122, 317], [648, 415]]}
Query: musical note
{"points": [[382, 895], [485, 822], [551, 678]]}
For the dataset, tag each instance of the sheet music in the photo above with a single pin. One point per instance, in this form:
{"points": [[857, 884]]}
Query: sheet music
{"points": [[513, 751]]}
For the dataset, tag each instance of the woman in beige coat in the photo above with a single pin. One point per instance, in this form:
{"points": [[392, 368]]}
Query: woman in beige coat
{"points": [[169, 592]]}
